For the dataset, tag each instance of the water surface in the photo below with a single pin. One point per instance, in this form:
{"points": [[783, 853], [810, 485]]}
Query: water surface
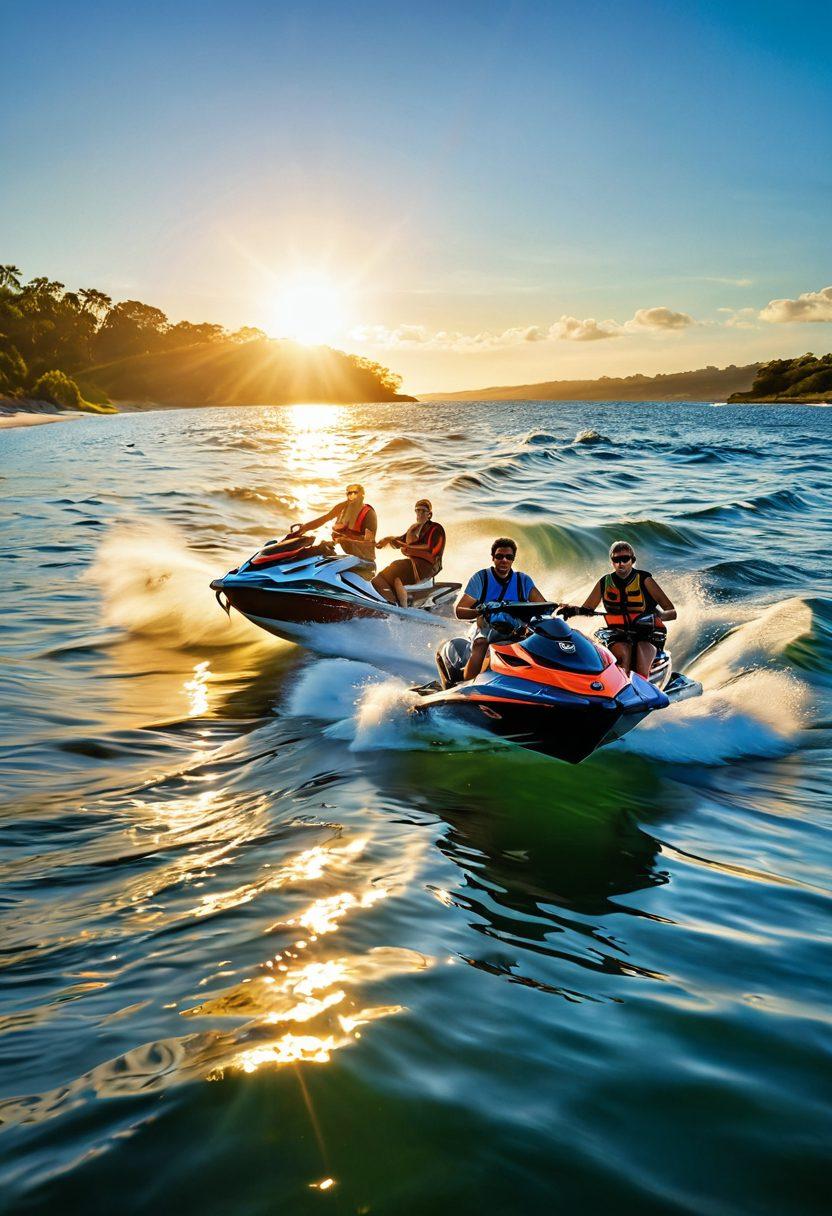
{"points": [[268, 947]]}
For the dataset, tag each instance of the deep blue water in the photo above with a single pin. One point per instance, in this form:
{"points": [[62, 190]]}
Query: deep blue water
{"points": [[259, 932]]}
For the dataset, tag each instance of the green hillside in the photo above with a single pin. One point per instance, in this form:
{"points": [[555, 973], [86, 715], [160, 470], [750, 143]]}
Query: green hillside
{"points": [[804, 379], [78, 350], [260, 371]]}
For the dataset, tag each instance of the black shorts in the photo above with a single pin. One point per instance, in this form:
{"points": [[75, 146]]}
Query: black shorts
{"points": [[409, 569], [657, 637]]}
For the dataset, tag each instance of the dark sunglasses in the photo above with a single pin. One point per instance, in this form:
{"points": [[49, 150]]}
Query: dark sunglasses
{"points": [[504, 557], [619, 558], [353, 493]]}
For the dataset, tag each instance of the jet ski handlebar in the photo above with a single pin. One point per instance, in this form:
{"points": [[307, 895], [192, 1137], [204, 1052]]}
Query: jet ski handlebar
{"points": [[520, 610]]}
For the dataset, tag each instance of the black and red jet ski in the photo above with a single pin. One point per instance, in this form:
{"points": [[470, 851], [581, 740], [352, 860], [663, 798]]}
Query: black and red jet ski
{"points": [[549, 688], [295, 582]]}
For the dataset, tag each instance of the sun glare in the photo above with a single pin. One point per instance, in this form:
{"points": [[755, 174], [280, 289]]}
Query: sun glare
{"points": [[310, 309]]}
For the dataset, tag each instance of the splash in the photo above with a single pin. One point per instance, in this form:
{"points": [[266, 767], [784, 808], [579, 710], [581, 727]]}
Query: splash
{"points": [[761, 715], [591, 437], [153, 584], [372, 711]]}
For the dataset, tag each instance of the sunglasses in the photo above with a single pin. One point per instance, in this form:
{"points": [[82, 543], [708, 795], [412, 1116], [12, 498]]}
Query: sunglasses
{"points": [[421, 510], [619, 559], [353, 493], [503, 557]]}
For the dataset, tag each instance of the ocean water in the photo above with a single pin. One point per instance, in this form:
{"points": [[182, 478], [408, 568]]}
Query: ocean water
{"points": [[266, 946]]}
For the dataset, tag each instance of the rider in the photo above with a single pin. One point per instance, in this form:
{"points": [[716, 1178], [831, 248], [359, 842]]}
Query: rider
{"points": [[500, 582], [423, 545], [355, 525], [635, 607]]}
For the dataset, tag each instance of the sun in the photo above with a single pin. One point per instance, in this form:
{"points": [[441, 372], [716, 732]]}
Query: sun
{"points": [[310, 309]]}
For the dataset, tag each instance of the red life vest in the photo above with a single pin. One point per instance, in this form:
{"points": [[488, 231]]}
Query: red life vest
{"points": [[357, 532]]}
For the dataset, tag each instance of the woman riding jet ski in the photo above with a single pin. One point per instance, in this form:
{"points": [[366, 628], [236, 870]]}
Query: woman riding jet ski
{"points": [[547, 687], [296, 582]]}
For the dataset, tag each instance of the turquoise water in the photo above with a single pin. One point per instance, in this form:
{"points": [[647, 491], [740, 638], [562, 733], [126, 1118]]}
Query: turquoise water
{"points": [[268, 946]]}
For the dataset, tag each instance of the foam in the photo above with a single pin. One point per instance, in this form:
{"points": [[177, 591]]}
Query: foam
{"points": [[153, 584]]}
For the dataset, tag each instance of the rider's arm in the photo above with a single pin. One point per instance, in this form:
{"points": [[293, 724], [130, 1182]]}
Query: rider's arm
{"points": [[588, 606], [667, 611], [594, 598], [321, 519], [535, 597], [467, 609], [395, 541]]}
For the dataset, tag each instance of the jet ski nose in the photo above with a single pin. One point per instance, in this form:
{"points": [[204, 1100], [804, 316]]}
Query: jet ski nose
{"points": [[554, 627]]}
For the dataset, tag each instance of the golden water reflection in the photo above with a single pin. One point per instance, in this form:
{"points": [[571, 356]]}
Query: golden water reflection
{"points": [[321, 452]]}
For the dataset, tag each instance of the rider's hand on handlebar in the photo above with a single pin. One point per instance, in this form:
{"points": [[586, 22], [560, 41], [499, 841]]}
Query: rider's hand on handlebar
{"points": [[489, 606], [567, 611]]}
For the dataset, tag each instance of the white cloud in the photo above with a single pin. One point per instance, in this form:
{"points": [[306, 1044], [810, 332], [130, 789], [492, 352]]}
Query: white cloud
{"points": [[811, 306], [740, 318], [659, 318], [411, 337], [588, 330], [567, 329]]}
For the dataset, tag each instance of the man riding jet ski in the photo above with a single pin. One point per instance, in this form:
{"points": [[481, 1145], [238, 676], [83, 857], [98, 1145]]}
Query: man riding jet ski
{"points": [[295, 582], [547, 687]]}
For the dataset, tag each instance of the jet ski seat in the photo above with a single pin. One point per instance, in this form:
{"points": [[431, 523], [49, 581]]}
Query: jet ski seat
{"points": [[428, 591], [425, 585]]}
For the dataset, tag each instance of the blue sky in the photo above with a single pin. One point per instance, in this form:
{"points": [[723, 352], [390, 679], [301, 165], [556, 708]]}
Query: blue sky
{"points": [[467, 176]]}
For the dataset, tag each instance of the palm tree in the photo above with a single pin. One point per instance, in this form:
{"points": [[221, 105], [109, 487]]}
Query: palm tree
{"points": [[10, 277], [95, 301]]}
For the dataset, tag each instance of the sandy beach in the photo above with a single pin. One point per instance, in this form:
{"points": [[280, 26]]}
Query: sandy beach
{"points": [[31, 413]]}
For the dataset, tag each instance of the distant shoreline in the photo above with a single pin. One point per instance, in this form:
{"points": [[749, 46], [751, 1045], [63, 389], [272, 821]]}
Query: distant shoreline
{"points": [[29, 411]]}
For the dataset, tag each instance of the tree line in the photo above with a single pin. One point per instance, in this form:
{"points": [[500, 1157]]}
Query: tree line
{"points": [[805, 376], [60, 344]]}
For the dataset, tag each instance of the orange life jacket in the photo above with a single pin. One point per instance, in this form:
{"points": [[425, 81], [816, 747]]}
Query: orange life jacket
{"points": [[623, 605]]}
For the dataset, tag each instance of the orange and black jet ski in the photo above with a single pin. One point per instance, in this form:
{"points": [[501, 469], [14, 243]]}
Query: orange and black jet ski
{"points": [[548, 687]]}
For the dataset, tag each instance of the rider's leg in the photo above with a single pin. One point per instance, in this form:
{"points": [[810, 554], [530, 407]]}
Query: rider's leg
{"points": [[401, 594], [474, 665], [383, 588], [623, 652], [645, 654]]}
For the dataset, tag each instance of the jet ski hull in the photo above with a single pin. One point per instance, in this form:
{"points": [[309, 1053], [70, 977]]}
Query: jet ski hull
{"points": [[561, 725], [272, 610]]}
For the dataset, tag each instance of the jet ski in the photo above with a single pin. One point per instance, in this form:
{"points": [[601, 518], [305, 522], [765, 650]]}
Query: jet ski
{"points": [[549, 687], [297, 581]]}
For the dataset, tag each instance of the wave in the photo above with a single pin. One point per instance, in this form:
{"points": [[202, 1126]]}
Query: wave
{"points": [[259, 495], [793, 635], [561, 545], [729, 579], [153, 584], [693, 453], [776, 503], [400, 444], [590, 438]]}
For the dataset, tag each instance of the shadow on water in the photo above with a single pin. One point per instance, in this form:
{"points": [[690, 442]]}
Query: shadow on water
{"points": [[546, 853]]}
